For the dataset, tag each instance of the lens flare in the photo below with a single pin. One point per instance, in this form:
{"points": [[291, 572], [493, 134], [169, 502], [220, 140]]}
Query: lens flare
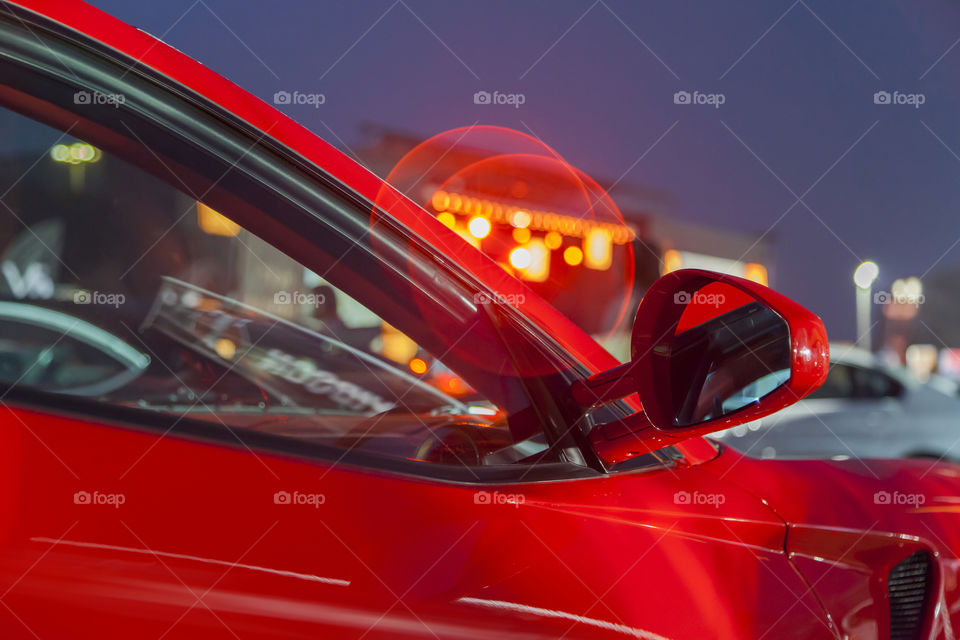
{"points": [[520, 258], [479, 227]]}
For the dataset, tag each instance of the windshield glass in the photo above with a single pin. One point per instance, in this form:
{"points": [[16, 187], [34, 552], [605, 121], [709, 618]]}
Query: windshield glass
{"points": [[126, 284]]}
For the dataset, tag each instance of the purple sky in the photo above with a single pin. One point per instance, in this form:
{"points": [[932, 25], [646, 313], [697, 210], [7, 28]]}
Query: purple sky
{"points": [[799, 120]]}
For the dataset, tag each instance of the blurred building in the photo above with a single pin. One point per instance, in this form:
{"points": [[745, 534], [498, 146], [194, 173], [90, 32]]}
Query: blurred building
{"points": [[585, 264], [918, 327]]}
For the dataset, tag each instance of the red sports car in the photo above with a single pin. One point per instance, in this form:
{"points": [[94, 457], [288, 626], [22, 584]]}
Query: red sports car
{"points": [[248, 390]]}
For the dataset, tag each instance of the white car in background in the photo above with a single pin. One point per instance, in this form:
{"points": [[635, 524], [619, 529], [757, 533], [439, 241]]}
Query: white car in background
{"points": [[864, 410]]}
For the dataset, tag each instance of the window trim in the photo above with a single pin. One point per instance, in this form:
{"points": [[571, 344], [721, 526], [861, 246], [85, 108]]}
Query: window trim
{"points": [[207, 433]]}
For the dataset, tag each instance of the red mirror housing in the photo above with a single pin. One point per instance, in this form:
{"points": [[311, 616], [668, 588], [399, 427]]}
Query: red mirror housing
{"points": [[668, 311]]}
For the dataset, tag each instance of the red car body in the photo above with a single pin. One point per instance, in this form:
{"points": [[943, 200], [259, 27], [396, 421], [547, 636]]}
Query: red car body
{"points": [[785, 549]]}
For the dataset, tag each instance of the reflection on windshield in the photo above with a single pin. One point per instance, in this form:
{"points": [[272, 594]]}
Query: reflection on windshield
{"points": [[296, 366], [122, 289]]}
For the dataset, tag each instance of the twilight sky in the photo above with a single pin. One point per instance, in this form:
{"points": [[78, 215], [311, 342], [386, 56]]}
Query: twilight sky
{"points": [[798, 149]]}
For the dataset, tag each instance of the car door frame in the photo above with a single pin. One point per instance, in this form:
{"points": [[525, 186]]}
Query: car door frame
{"points": [[151, 96]]}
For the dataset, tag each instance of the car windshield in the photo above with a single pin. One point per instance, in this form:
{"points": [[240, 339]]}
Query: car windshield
{"points": [[125, 284], [313, 370]]}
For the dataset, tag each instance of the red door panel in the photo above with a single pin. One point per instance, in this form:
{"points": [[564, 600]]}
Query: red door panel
{"points": [[181, 537]]}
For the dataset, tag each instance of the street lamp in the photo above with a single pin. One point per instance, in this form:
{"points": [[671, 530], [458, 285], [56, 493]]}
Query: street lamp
{"points": [[864, 277]]}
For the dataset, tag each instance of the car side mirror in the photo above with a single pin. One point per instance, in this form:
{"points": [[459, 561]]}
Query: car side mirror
{"points": [[708, 352]]}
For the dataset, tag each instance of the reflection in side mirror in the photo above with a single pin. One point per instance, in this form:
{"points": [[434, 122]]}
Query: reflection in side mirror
{"points": [[727, 362]]}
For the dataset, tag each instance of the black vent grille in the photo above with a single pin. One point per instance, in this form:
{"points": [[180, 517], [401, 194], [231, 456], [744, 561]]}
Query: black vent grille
{"points": [[908, 588]]}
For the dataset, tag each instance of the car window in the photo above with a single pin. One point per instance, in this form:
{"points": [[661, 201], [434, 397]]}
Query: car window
{"points": [[871, 383], [839, 383], [130, 289], [851, 382]]}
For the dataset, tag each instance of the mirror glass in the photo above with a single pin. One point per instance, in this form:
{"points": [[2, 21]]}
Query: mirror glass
{"points": [[729, 351]]}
